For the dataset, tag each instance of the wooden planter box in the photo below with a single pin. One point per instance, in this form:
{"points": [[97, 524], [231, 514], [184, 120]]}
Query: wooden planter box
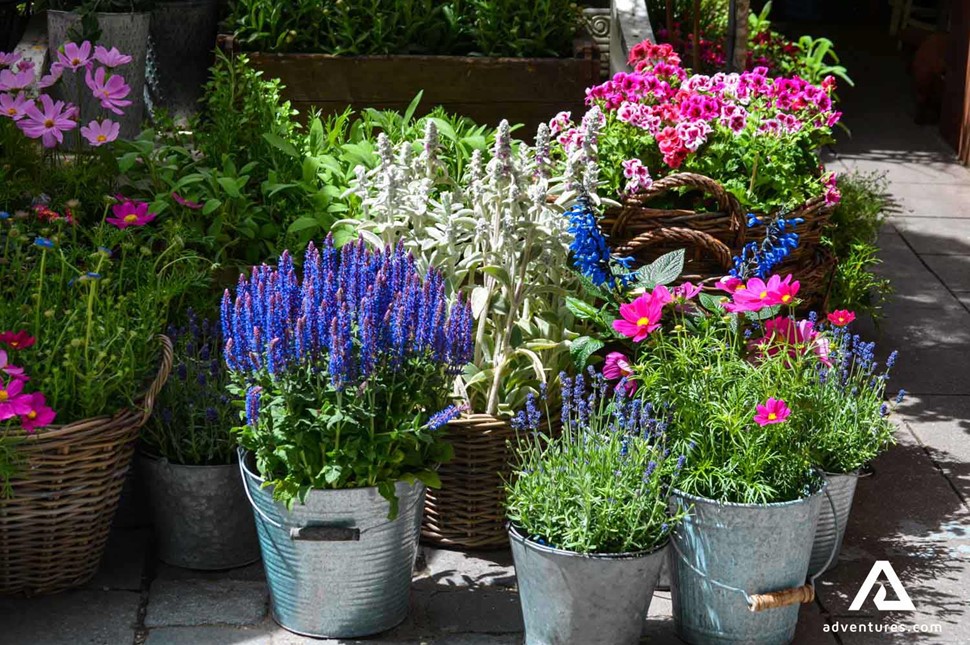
{"points": [[522, 90]]}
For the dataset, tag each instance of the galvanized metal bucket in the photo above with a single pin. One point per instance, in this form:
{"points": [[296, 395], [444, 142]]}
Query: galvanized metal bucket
{"points": [[180, 53], [831, 524], [728, 557], [571, 598], [336, 566], [201, 515], [129, 33]]}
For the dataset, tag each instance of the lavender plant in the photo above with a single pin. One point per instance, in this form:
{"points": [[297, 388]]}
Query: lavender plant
{"points": [[343, 373], [193, 412], [602, 485], [497, 240]]}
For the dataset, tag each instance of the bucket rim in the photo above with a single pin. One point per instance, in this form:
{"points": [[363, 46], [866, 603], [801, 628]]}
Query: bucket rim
{"points": [[99, 13], [147, 454], [246, 455], [517, 535], [676, 492]]}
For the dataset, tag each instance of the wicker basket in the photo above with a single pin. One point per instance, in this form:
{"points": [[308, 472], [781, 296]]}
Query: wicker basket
{"points": [[54, 527], [468, 510], [713, 237]]}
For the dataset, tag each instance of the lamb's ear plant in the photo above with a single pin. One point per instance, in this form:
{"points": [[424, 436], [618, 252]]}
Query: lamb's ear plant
{"points": [[497, 238]]}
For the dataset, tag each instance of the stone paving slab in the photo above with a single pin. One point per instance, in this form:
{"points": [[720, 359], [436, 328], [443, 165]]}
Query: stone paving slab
{"points": [[71, 618], [935, 236], [206, 602], [915, 201], [123, 564], [953, 270]]}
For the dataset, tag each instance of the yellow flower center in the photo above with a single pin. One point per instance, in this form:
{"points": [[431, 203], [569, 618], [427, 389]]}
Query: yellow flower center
{"points": [[101, 138], [643, 322], [3, 396], [786, 298], [772, 416], [75, 61], [32, 415], [763, 295], [12, 111], [131, 219], [49, 123]]}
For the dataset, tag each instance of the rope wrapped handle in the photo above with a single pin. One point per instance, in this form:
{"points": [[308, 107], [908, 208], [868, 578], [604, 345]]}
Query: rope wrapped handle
{"points": [[725, 200], [775, 599], [168, 358]]}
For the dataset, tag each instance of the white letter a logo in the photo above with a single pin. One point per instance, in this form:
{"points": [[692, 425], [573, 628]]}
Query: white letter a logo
{"points": [[902, 602]]}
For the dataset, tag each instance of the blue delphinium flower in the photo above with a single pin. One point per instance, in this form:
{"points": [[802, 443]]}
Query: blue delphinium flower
{"points": [[252, 405], [590, 252], [440, 419], [758, 259]]}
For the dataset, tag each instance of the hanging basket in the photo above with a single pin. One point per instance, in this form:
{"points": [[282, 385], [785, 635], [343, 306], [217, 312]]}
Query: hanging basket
{"points": [[54, 526], [468, 510], [713, 236]]}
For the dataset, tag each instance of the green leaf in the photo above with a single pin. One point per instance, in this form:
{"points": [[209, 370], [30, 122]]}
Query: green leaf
{"points": [[580, 309], [282, 145], [408, 113], [429, 478], [303, 223], [229, 185], [582, 348], [211, 206], [710, 301], [663, 270]]}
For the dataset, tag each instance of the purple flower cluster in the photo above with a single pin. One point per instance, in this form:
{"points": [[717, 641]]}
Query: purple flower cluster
{"points": [[356, 312]]}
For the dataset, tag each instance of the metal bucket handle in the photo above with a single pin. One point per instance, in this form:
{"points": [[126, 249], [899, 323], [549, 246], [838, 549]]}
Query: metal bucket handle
{"points": [[316, 532], [775, 599]]}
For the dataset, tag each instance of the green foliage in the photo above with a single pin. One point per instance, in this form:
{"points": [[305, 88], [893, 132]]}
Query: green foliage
{"points": [[94, 302], [851, 236], [439, 27]]}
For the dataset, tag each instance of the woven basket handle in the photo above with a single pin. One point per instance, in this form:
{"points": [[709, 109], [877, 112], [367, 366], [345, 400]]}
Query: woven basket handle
{"points": [[168, 357], [776, 599], [725, 200], [690, 237]]}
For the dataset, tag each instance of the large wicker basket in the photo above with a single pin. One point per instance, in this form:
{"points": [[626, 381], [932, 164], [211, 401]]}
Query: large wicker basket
{"points": [[54, 527], [712, 237], [468, 510]]}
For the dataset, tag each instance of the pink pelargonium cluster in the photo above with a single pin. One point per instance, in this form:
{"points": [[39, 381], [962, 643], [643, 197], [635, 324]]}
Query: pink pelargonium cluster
{"points": [[682, 112], [30, 408], [39, 116], [637, 176]]}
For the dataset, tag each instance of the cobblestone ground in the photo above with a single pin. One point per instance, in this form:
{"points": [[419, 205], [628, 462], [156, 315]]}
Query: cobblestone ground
{"points": [[913, 512]]}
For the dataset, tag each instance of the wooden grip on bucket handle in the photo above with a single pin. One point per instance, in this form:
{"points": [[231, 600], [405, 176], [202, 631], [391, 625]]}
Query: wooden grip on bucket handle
{"points": [[775, 599]]}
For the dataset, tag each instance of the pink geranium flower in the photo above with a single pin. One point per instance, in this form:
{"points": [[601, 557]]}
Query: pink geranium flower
{"points": [[17, 339], [181, 201], [38, 413], [111, 91], [101, 133], [640, 317], [637, 175], [75, 56], [12, 400], [13, 81], [49, 124], [617, 367], [14, 107], [110, 57], [841, 317], [773, 411], [130, 213]]}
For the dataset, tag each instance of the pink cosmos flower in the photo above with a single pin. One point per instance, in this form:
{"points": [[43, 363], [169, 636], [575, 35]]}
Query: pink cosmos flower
{"points": [[110, 57], [12, 400], [642, 316], [101, 133], [783, 332], [730, 284], [111, 91], [785, 291], [130, 213], [8, 59], [753, 296], [11, 370], [38, 414], [187, 203], [617, 367], [49, 79], [14, 107], [841, 317], [12, 81], [50, 124], [773, 411], [686, 291], [75, 56], [17, 340]]}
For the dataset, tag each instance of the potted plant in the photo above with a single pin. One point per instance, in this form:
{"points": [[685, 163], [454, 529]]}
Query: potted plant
{"points": [[708, 162], [188, 458], [120, 28], [343, 375], [527, 54], [849, 426], [502, 244], [589, 524], [81, 309]]}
